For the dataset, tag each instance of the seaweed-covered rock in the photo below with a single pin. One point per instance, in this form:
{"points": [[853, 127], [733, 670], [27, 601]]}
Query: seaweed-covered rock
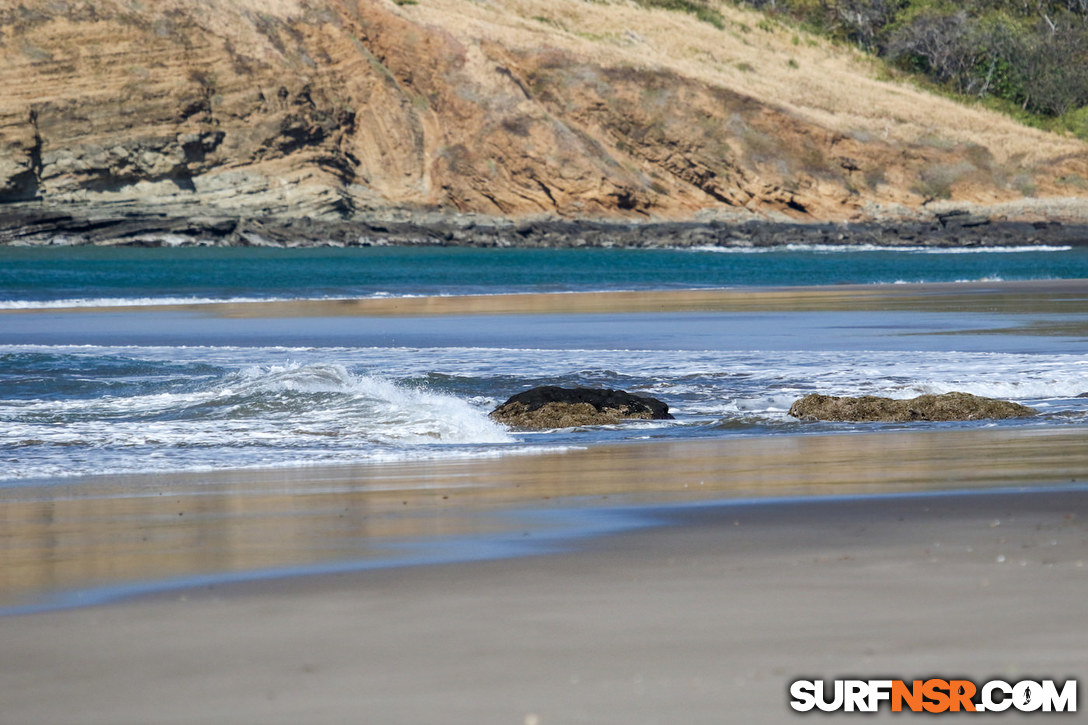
{"points": [[949, 406], [554, 407]]}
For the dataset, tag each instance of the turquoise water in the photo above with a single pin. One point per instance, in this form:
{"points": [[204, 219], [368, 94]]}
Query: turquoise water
{"points": [[87, 391], [34, 276]]}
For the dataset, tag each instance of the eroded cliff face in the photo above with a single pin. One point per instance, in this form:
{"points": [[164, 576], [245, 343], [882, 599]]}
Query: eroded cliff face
{"points": [[337, 108]]}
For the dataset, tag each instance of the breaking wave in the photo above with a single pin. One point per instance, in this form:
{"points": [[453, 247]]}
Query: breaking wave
{"points": [[261, 415]]}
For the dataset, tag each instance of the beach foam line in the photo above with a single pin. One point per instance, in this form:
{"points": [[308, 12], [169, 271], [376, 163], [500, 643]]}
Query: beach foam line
{"points": [[94, 302], [851, 248], [182, 302], [288, 468]]}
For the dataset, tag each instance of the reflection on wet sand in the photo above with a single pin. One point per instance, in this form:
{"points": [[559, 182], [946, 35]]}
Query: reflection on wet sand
{"points": [[1065, 296], [110, 530], [1021, 297]]}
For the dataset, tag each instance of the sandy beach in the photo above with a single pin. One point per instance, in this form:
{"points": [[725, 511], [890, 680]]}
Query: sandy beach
{"points": [[706, 619], [684, 574], [653, 583]]}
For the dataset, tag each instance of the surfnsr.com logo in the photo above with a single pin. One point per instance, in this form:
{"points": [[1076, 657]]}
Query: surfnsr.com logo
{"points": [[933, 696]]}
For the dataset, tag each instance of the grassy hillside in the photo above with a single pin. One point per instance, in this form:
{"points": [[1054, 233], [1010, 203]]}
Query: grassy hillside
{"points": [[1027, 58]]}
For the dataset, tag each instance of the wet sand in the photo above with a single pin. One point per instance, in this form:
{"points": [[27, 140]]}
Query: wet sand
{"points": [[1022, 297], [703, 620], [701, 605], [110, 535], [1010, 297]]}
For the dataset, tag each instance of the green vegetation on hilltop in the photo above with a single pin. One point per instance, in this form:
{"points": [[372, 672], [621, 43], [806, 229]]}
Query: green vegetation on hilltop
{"points": [[1027, 56]]}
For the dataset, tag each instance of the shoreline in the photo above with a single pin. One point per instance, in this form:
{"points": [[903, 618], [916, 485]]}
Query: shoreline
{"points": [[714, 610], [967, 225], [1062, 295], [568, 530], [131, 532]]}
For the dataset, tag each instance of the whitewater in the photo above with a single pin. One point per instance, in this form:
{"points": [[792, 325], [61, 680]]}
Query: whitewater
{"points": [[135, 388]]}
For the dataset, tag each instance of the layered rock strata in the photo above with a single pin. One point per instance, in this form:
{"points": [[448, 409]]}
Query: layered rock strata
{"points": [[344, 109]]}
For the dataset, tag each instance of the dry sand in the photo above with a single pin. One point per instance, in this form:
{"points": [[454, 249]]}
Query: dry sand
{"points": [[703, 618]]}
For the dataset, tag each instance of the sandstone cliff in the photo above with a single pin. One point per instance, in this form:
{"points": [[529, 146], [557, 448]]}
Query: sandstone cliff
{"points": [[573, 108]]}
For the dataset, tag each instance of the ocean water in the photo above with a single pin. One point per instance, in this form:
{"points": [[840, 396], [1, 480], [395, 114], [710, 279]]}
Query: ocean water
{"points": [[36, 277], [85, 391]]}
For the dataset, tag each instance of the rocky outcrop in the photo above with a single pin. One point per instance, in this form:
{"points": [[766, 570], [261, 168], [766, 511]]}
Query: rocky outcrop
{"points": [[946, 407], [250, 109], [554, 407], [25, 226]]}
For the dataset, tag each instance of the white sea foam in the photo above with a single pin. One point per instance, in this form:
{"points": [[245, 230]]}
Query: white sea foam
{"points": [[996, 250], [162, 464], [85, 302], [321, 407], [852, 248], [256, 416], [82, 302]]}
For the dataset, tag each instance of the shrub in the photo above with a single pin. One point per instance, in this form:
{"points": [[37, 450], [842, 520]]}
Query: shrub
{"points": [[1031, 54]]}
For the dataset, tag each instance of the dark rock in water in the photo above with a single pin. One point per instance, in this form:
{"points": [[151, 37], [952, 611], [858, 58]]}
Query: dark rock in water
{"points": [[949, 406], [553, 407]]}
